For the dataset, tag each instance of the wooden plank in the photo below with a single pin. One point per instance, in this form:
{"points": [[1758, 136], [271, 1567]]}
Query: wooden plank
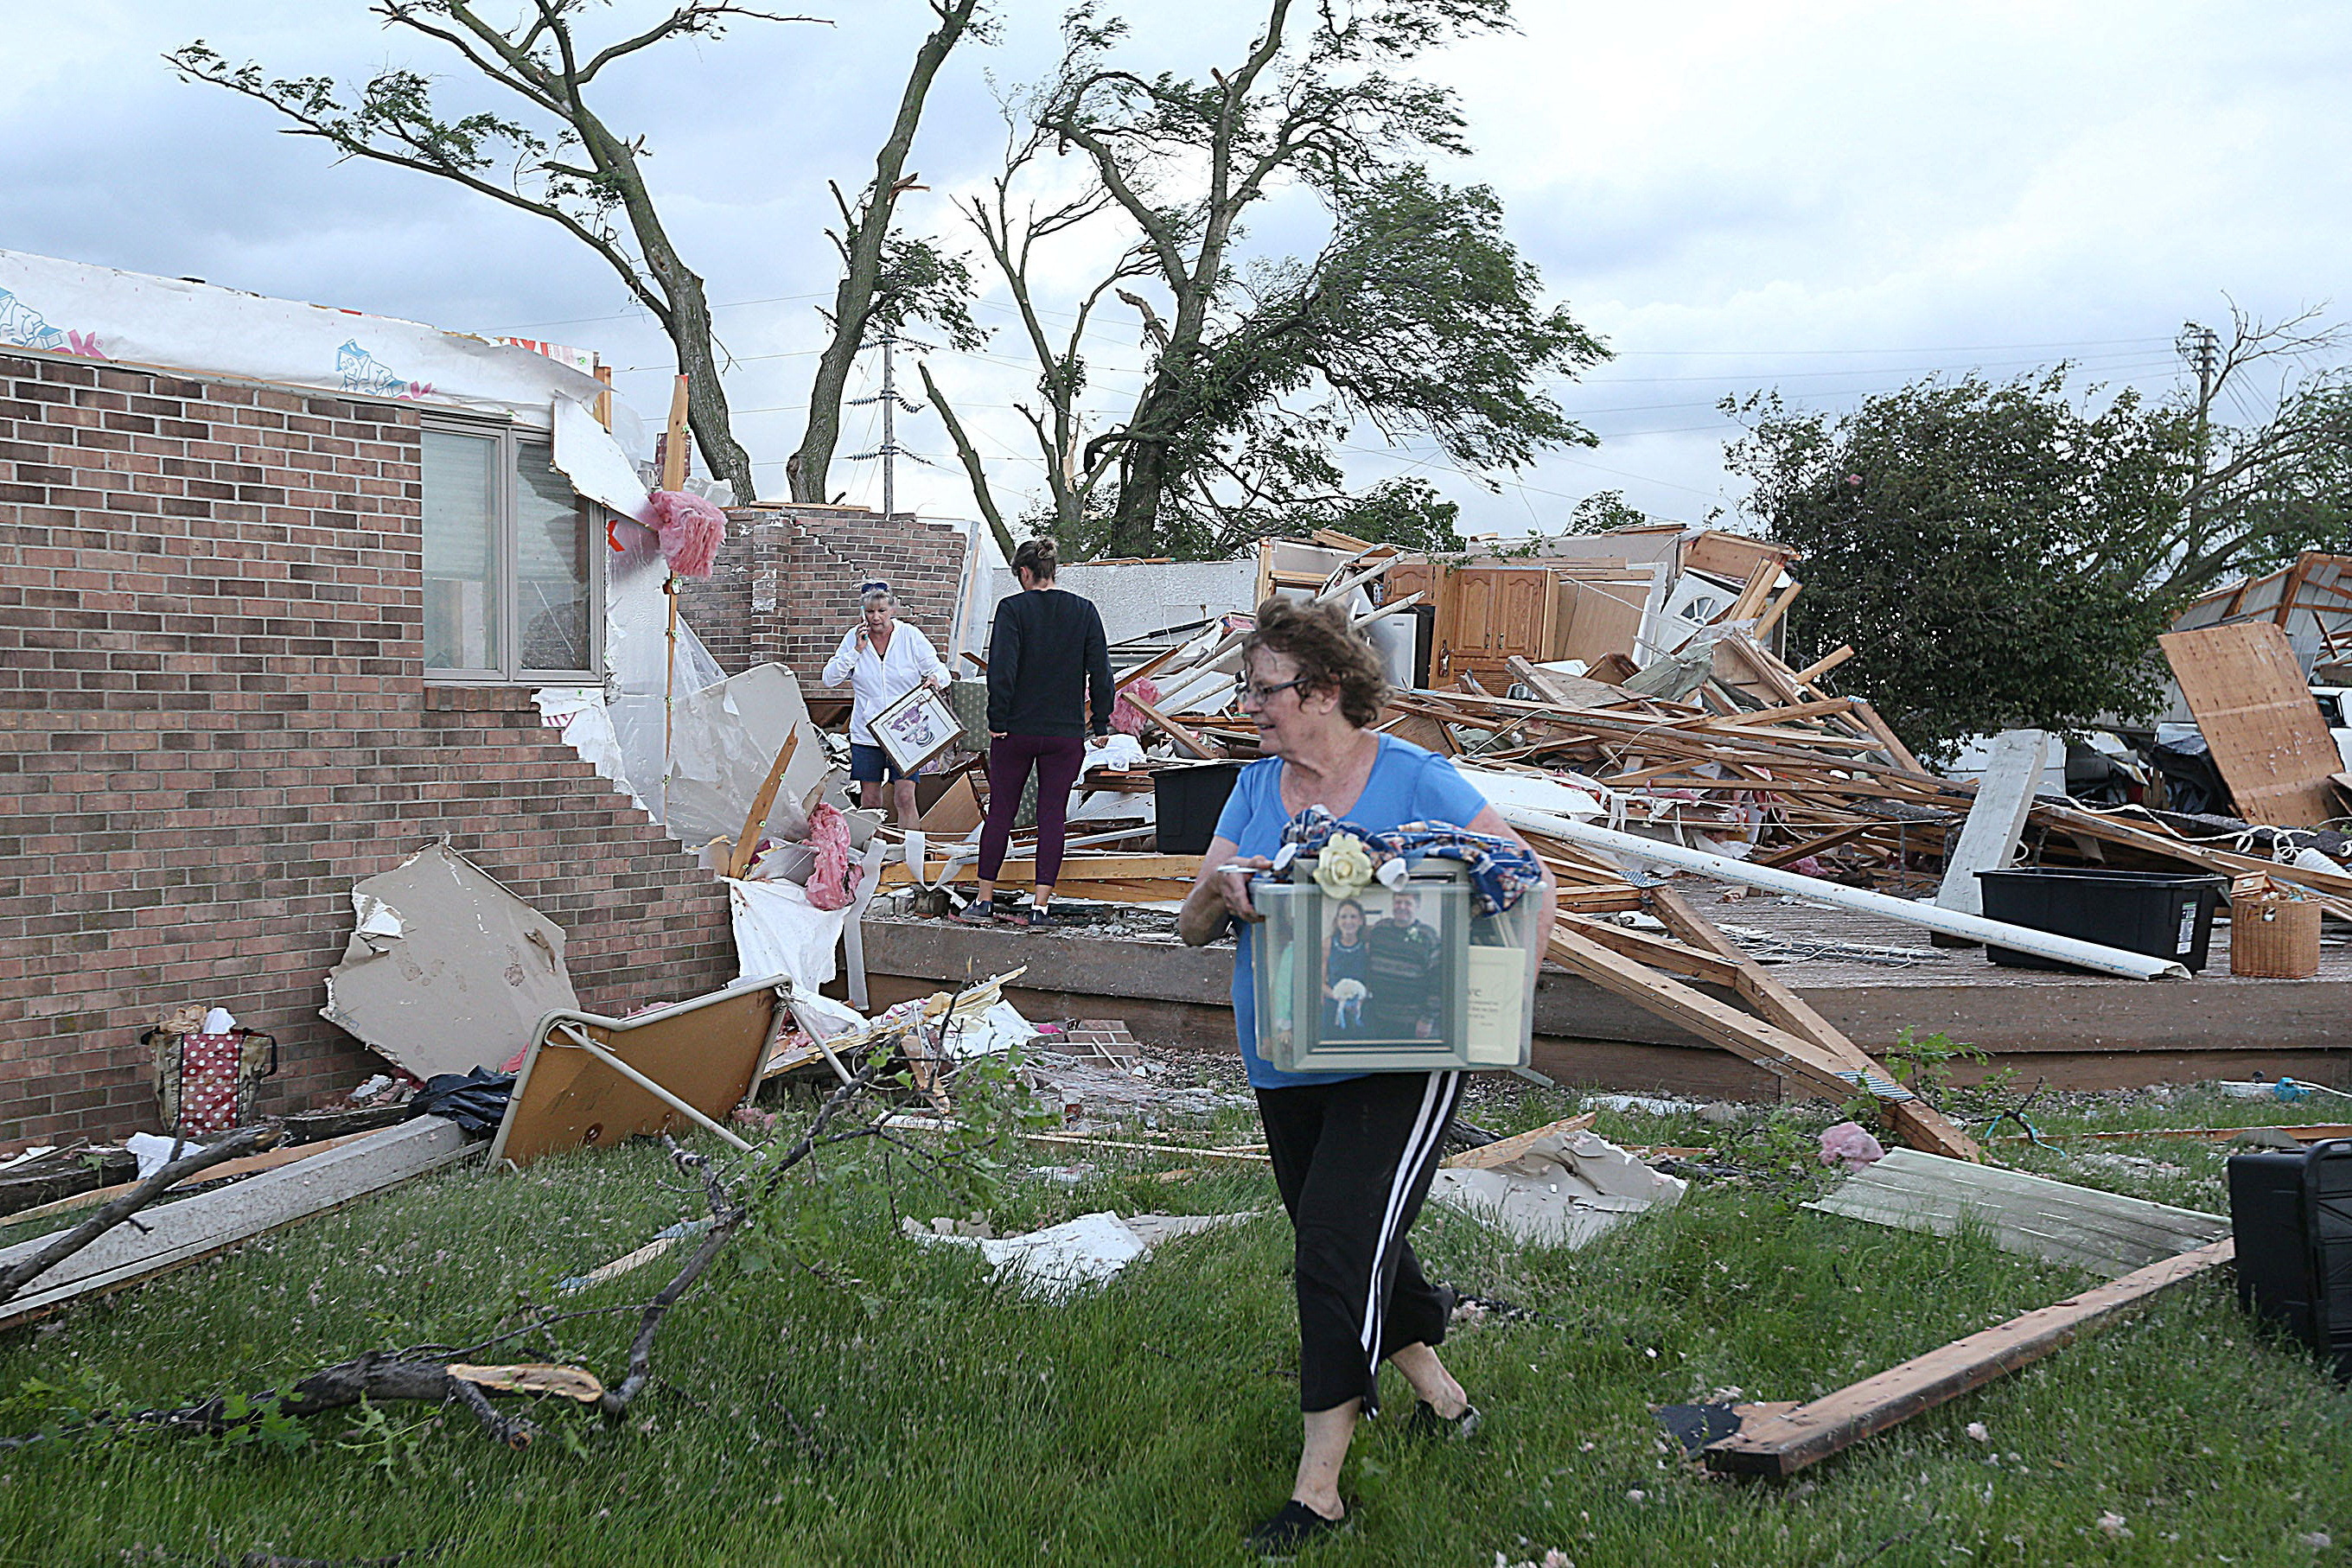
{"points": [[2033, 1217], [1660, 954], [1823, 665], [674, 438], [1503, 1151], [2260, 721], [197, 1227], [1783, 1445], [226, 1170], [1774, 1049], [1996, 820], [1172, 730], [746, 842], [1920, 1124]]}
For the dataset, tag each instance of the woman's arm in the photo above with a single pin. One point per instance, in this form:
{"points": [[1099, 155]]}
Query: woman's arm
{"points": [[1218, 897], [844, 662], [926, 657]]}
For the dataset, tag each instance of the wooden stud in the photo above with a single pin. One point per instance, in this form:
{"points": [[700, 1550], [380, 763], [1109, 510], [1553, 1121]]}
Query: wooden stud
{"points": [[746, 842], [1783, 1445]]}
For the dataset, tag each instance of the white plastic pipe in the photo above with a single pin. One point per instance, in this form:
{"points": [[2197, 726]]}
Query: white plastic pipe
{"points": [[1951, 922]]}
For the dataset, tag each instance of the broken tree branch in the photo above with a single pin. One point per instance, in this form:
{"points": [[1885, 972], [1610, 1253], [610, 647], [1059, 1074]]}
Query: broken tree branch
{"points": [[244, 1141]]}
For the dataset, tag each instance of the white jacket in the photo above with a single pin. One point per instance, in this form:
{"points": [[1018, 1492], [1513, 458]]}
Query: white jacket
{"points": [[877, 681]]}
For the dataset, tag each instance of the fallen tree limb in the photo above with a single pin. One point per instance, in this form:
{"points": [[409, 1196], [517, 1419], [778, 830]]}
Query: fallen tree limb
{"points": [[234, 1146]]}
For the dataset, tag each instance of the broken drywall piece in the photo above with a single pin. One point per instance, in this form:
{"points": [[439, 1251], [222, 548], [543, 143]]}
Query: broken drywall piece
{"points": [[446, 971], [723, 740], [1563, 1190], [1055, 1263], [2055, 1220]]}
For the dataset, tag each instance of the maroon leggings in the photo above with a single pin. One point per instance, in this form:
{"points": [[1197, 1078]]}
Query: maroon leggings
{"points": [[1058, 759]]}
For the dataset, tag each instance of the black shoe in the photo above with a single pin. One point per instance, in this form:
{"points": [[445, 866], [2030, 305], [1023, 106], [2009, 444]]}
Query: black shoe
{"points": [[1292, 1531], [1426, 1422], [979, 912]]}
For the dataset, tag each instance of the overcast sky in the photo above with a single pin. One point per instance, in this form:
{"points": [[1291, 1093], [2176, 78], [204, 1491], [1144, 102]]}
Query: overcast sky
{"points": [[1827, 198]]}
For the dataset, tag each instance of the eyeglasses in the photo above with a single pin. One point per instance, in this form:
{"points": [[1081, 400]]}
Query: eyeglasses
{"points": [[1256, 696]]}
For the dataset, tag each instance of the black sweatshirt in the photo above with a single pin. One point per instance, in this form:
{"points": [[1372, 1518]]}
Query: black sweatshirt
{"points": [[1046, 647]]}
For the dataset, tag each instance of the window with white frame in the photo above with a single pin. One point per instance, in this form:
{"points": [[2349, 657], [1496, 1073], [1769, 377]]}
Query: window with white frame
{"points": [[512, 589]]}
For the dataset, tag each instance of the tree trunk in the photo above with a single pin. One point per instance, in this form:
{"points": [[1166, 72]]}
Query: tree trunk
{"points": [[706, 395], [808, 470]]}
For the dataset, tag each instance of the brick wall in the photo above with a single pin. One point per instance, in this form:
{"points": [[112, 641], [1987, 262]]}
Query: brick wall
{"points": [[784, 587], [214, 721]]}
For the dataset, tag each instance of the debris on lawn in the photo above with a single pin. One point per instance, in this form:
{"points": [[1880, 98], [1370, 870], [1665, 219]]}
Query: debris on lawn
{"points": [[1561, 1188], [1058, 1261], [2054, 1221]]}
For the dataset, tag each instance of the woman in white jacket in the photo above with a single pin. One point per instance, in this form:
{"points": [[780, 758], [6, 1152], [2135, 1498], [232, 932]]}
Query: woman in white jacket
{"points": [[883, 661]]}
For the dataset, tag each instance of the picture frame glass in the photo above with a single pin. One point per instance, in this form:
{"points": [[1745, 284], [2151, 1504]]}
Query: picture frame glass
{"points": [[916, 728]]}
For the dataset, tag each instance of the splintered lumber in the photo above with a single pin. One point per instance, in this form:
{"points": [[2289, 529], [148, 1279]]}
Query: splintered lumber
{"points": [[1503, 1151], [746, 842], [1783, 1445], [1920, 1124], [1774, 1049], [1170, 727], [195, 1227], [2035, 1217]]}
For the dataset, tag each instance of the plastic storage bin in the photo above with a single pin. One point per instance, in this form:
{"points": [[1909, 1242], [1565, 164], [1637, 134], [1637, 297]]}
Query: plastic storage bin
{"points": [[1394, 979], [2292, 1211], [1186, 803], [2163, 916]]}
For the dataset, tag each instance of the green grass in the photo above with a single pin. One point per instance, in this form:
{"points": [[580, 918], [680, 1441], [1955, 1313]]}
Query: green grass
{"points": [[867, 1401]]}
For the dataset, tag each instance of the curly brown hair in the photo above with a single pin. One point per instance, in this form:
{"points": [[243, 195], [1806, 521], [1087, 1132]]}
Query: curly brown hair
{"points": [[1331, 655]]}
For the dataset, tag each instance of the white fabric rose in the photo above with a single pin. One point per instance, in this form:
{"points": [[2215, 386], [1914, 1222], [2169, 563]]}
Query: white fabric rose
{"points": [[1343, 867]]}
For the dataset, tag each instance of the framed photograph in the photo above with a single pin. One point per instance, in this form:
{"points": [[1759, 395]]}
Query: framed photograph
{"points": [[1382, 980], [916, 728]]}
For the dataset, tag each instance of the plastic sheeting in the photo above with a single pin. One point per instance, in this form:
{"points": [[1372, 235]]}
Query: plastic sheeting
{"points": [[131, 318], [779, 932], [578, 712], [723, 740]]}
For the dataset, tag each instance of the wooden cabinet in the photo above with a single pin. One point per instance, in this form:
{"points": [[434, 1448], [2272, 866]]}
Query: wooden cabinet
{"points": [[1486, 615]]}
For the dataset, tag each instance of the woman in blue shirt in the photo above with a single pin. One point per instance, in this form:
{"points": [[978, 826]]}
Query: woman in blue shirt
{"points": [[1353, 1153]]}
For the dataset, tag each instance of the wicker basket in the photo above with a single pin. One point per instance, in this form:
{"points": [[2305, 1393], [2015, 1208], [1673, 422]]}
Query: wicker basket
{"points": [[2274, 938]]}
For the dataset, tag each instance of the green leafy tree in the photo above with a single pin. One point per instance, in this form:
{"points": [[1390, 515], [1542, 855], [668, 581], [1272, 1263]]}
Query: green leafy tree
{"points": [[1416, 315], [1987, 548], [1406, 511]]}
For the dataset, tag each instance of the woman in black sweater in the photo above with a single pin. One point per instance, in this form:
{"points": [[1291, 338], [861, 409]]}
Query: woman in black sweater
{"points": [[1044, 652]]}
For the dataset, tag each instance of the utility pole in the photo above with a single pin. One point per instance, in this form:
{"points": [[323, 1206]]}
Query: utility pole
{"points": [[889, 451], [2202, 347]]}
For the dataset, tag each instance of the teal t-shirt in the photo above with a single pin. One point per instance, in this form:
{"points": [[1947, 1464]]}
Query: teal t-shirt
{"points": [[1407, 784]]}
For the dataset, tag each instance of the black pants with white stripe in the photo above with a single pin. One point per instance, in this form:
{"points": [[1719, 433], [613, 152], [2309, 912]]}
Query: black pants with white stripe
{"points": [[1353, 1161]]}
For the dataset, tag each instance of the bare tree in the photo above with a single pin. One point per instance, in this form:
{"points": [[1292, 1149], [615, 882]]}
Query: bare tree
{"points": [[1011, 227], [2276, 480], [863, 242], [580, 175]]}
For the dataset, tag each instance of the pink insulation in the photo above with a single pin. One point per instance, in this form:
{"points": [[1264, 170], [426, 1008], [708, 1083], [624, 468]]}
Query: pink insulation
{"points": [[1125, 716], [829, 885], [690, 530], [1850, 1145]]}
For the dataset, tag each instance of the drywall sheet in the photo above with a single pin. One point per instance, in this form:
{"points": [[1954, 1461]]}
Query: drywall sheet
{"points": [[2260, 721], [705, 1051], [446, 971], [130, 318], [1563, 1191]]}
